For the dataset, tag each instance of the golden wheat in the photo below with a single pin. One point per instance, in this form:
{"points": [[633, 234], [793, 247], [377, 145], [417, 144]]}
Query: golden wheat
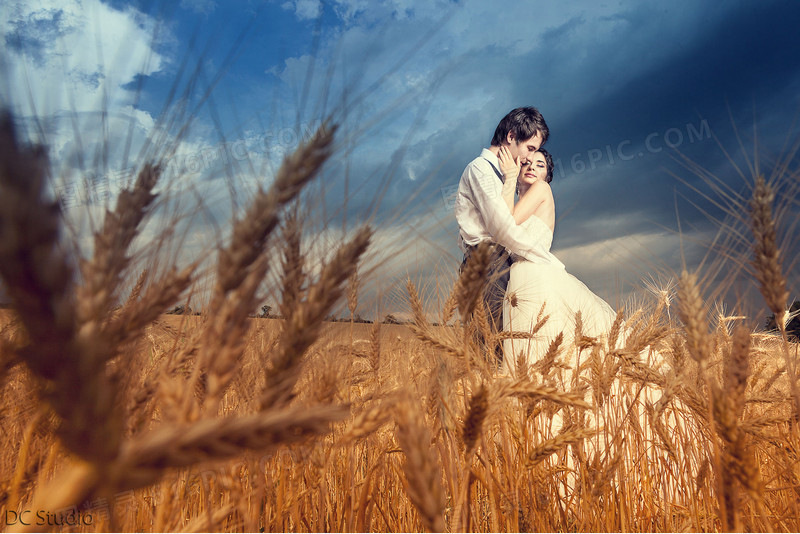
{"points": [[227, 422]]}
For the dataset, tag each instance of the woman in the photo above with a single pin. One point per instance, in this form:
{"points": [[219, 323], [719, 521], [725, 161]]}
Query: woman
{"points": [[543, 289], [536, 290]]}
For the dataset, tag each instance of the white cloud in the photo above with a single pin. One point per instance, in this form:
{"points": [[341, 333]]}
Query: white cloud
{"points": [[66, 70], [67, 54], [304, 9]]}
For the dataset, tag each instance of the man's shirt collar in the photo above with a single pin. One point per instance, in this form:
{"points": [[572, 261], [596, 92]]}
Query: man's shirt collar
{"points": [[489, 156]]}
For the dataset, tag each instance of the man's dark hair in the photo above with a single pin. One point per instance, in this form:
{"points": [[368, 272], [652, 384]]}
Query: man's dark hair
{"points": [[524, 122]]}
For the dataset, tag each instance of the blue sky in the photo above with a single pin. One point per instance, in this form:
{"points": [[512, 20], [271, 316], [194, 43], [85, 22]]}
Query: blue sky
{"points": [[627, 88]]}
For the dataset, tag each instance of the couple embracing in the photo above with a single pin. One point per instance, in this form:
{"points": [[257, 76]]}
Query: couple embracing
{"points": [[504, 197]]}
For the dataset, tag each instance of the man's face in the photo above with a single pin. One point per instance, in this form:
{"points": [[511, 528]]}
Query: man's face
{"points": [[525, 149]]}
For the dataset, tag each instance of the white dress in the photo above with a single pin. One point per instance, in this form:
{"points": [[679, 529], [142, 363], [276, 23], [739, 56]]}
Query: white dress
{"points": [[548, 284]]}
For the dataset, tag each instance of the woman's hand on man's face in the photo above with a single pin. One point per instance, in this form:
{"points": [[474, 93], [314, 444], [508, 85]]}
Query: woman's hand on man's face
{"points": [[510, 167]]}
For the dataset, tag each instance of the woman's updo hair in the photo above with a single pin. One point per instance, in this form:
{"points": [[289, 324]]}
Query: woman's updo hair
{"points": [[548, 159]]}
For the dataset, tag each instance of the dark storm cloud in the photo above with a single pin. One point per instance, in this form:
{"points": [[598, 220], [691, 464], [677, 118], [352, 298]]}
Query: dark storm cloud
{"points": [[620, 110], [677, 102], [732, 65]]}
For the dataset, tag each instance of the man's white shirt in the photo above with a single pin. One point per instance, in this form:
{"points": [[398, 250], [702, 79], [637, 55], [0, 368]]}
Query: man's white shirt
{"points": [[483, 215]]}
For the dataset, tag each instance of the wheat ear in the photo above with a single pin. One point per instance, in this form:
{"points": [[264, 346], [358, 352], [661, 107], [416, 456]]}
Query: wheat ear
{"points": [[243, 264], [421, 468], [365, 423], [352, 293], [421, 327], [138, 313], [38, 279], [476, 414], [545, 365], [473, 278], [693, 314], [33, 265], [142, 461], [137, 288], [766, 254], [374, 356], [303, 325], [551, 446], [525, 389], [103, 273], [251, 232], [293, 275], [768, 272]]}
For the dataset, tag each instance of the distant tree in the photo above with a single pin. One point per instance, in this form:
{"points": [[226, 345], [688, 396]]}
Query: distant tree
{"points": [[391, 319], [181, 310], [792, 327]]}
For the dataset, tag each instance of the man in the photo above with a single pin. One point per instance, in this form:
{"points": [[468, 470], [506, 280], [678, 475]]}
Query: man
{"points": [[482, 214]]}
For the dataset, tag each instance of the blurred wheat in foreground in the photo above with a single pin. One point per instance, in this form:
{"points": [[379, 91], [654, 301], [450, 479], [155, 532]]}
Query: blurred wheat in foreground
{"points": [[122, 418]]}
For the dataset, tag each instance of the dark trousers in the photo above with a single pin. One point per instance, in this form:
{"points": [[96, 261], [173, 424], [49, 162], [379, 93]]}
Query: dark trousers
{"points": [[494, 291]]}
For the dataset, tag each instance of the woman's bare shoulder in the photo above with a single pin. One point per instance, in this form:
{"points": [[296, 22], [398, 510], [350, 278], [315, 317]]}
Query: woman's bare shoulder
{"points": [[543, 189]]}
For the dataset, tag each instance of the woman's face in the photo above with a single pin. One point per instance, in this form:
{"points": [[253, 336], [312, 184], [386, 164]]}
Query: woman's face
{"points": [[535, 170]]}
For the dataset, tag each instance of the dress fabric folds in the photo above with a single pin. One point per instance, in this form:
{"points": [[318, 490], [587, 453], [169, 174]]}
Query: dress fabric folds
{"points": [[536, 290]]}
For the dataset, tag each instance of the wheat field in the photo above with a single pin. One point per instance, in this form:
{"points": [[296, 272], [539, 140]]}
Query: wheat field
{"points": [[117, 417]]}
